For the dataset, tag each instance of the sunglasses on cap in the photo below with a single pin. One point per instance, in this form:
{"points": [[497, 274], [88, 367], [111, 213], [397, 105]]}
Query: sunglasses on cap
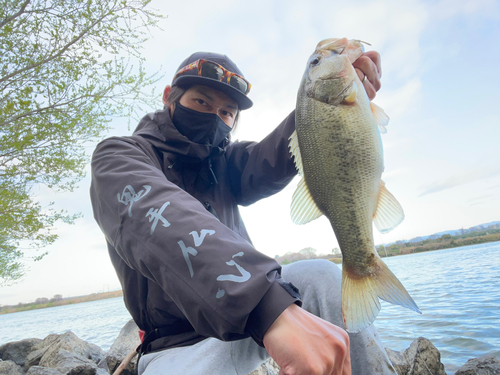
{"points": [[209, 69]]}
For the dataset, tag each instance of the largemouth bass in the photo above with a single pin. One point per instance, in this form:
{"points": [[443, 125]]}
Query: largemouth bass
{"points": [[338, 150]]}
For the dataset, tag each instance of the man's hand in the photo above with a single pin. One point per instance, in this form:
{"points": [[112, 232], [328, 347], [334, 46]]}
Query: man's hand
{"points": [[368, 65], [303, 344]]}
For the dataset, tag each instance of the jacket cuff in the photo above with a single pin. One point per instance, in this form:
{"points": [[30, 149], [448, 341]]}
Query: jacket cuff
{"points": [[280, 295]]}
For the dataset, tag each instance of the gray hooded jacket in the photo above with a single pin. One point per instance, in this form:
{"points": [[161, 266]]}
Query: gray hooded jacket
{"points": [[168, 208]]}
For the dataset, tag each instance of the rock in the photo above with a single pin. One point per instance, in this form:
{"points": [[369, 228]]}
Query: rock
{"points": [[422, 357], [17, 351], [127, 340], [486, 365], [269, 367], [68, 363], [10, 368], [33, 358], [71, 343], [39, 370], [400, 364], [66, 354]]}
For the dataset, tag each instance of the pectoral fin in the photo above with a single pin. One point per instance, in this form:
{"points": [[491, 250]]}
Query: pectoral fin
{"points": [[303, 209], [380, 117], [389, 213], [352, 94]]}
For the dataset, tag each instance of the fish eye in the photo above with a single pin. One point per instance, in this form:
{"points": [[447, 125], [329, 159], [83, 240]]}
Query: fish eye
{"points": [[315, 61]]}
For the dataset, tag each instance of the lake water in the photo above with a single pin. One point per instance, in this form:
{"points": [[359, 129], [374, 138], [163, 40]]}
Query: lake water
{"points": [[457, 290]]}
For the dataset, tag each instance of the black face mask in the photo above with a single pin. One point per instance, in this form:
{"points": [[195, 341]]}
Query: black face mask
{"points": [[199, 127]]}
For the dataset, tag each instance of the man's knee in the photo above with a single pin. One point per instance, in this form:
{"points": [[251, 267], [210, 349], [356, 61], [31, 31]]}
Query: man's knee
{"points": [[314, 271]]}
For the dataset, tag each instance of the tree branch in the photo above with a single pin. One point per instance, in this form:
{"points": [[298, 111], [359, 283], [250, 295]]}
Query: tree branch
{"points": [[60, 53], [14, 16]]}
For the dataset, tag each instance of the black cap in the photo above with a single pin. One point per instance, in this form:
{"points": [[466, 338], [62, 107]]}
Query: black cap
{"points": [[243, 101]]}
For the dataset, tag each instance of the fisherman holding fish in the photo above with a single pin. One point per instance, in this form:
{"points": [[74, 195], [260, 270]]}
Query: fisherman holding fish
{"points": [[206, 301]]}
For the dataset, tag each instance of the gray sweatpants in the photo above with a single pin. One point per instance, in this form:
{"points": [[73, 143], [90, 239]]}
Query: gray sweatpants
{"points": [[319, 283]]}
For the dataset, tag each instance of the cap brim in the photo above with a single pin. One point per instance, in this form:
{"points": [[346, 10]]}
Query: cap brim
{"points": [[236, 95]]}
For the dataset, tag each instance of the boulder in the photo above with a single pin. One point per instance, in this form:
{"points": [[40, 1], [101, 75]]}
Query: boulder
{"points": [[39, 370], [422, 357], [17, 351], [72, 344], [127, 340], [68, 363], [486, 365], [399, 362], [10, 368], [34, 357]]}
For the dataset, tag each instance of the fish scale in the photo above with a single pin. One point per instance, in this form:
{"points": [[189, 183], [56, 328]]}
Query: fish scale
{"points": [[351, 168], [338, 151]]}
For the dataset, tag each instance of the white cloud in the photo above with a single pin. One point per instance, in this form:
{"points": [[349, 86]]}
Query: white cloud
{"points": [[404, 99], [451, 8], [483, 199], [459, 179]]}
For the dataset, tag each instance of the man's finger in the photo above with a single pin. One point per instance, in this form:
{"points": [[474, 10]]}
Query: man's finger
{"points": [[368, 68], [347, 361], [369, 88], [375, 57]]}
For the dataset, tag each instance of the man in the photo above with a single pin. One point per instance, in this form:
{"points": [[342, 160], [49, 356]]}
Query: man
{"points": [[167, 201]]}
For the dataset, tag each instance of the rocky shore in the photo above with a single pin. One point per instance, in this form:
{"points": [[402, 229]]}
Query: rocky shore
{"points": [[67, 354]]}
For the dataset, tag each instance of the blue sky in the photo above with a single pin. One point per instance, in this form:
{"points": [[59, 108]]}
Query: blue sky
{"points": [[439, 86]]}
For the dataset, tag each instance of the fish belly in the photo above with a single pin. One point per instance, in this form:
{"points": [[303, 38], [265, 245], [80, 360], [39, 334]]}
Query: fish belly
{"points": [[343, 162]]}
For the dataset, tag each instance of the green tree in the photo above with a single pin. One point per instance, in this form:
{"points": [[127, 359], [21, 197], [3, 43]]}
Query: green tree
{"points": [[308, 252], [62, 78]]}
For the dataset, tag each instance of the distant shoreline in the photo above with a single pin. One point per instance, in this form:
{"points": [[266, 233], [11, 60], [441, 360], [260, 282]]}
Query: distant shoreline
{"points": [[446, 241], [66, 301]]}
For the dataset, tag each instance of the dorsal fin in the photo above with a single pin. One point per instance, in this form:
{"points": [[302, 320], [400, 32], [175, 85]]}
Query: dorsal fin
{"points": [[295, 151], [389, 213]]}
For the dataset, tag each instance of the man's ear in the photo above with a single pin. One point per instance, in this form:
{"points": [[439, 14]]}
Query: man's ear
{"points": [[166, 94]]}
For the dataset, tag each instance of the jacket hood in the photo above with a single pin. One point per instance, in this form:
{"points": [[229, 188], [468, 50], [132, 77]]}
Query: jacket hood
{"points": [[161, 132]]}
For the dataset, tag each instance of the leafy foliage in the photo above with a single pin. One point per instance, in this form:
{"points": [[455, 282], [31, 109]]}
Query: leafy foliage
{"points": [[62, 78], [308, 252]]}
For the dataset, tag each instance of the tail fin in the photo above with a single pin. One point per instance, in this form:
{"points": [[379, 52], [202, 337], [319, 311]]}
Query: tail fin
{"points": [[360, 297]]}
